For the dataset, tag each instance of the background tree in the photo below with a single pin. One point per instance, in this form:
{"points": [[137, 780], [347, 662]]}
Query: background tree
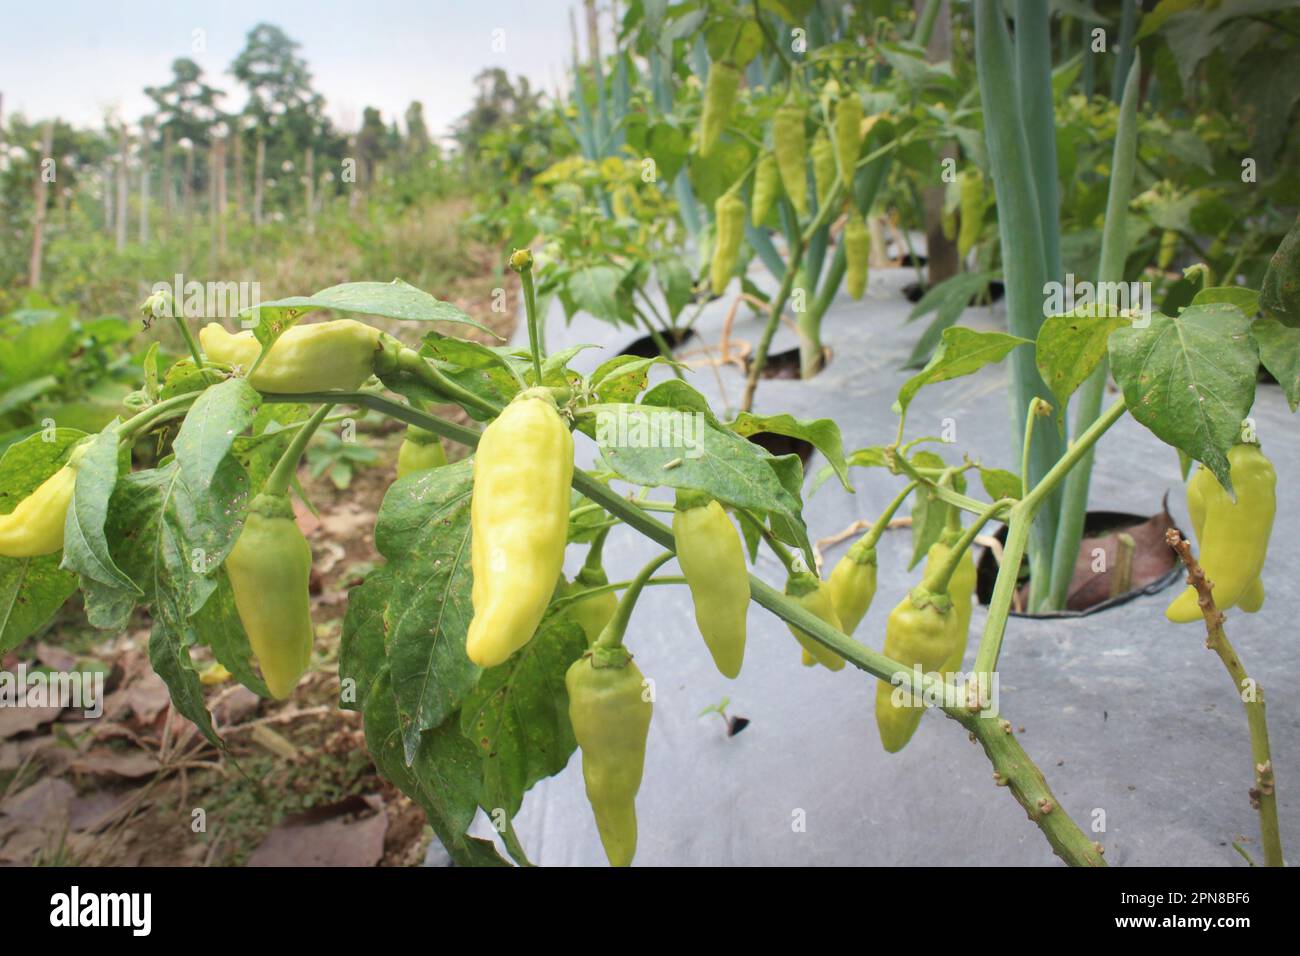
{"points": [[497, 102]]}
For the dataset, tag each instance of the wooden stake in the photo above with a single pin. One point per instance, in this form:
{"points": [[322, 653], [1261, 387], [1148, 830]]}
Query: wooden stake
{"points": [[259, 180], [123, 149], [40, 191]]}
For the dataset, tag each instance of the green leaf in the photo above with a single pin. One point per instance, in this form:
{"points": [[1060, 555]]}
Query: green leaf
{"points": [[595, 290], [949, 299], [963, 352], [391, 300], [1153, 21], [1190, 380], [168, 535], [209, 429], [183, 378], [518, 716], [423, 529], [1279, 295], [660, 443], [24, 394], [873, 457], [85, 546], [1245, 299], [675, 282], [668, 145], [1279, 352], [445, 778], [362, 654], [622, 378], [822, 433], [714, 175], [26, 464], [31, 591], [1069, 348], [999, 483], [170, 657], [929, 511]]}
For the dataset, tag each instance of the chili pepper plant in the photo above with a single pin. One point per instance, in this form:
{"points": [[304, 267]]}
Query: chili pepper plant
{"points": [[478, 668]]}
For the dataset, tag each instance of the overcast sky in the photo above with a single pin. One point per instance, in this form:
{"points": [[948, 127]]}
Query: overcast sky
{"points": [[78, 59]]}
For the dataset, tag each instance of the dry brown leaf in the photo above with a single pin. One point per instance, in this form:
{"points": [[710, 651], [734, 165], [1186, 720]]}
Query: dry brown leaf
{"points": [[131, 764], [21, 720], [328, 842]]}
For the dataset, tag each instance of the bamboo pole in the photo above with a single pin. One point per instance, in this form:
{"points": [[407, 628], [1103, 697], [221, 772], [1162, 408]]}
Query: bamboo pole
{"points": [[309, 183], [221, 197], [212, 209], [187, 200], [123, 147], [40, 195], [259, 180], [166, 175], [144, 183], [237, 164]]}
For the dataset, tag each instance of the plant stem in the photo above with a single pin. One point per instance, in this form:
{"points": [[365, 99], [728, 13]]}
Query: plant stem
{"points": [[937, 490], [925, 22], [596, 552], [781, 551], [164, 409], [872, 535], [1020, 521], [1034, 84], [530, 309], [1036, 405], [188, 335], [277, 483], [412, 361], [1015, 770], [612, 635], [779, 300], [938, 580], [1263, 795], [810, 321], [585, 593]]}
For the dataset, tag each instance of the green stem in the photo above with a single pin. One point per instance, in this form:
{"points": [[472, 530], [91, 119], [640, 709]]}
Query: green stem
{"points": [[188, 335], [878, 526], [530, 309], [937, 581], [964, 502], [1014, 769], [810, 322], [780, 550], [925, 23], [409, 360], [595, 553], [612, 635], [277, 483], [1035, 406], [164, 409], [1034, 84], [779, 300], [575, 596], [1018, 525]]}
